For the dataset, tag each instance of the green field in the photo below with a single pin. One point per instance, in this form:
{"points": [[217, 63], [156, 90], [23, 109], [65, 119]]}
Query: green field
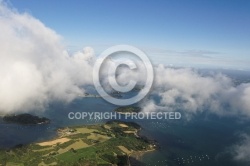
{"points": [[108, 144]]}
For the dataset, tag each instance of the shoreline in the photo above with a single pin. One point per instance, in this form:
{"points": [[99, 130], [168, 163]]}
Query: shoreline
{"points": [[137, 156], [68, 140]]}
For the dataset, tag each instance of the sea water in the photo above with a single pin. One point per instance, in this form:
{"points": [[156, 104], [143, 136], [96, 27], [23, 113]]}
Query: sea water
{"points": [[205, 139]]}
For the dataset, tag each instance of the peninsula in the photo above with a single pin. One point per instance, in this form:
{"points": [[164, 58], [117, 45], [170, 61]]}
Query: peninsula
{"points": [[112, 143]]}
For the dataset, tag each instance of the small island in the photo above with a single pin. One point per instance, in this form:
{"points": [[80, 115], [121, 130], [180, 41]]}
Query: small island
{"points": [[116, 94], [26, 119], [112, 143], [128, 109]]}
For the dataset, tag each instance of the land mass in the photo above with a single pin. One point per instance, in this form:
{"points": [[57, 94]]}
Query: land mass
{"points": [[113, 143], [27, 119], [128, 109]]}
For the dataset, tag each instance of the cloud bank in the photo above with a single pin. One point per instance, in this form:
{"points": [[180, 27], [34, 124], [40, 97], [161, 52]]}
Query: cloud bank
{"points": [[187, 90], [34, 66], [36, 69]]}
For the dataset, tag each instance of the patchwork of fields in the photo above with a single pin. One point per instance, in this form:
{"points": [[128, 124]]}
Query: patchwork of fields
{"points": [[108, 144]]}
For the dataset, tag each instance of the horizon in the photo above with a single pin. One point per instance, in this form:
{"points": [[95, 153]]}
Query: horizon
{"points": [[205, 34]]}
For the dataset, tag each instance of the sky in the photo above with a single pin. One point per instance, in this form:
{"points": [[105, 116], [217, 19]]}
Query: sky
{"points": [[206, 33]]}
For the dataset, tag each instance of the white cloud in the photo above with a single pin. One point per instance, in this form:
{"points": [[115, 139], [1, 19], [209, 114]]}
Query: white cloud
{"points": [[34, 66], [187, 90], [35, 69], [241, 151]]}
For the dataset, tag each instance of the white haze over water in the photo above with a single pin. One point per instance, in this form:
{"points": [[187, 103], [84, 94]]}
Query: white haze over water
{"points": [[241, 151], [36, 69], [186, 89]]}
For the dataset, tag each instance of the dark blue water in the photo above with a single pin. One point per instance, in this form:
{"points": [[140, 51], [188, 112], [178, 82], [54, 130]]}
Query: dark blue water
{"points": [[201, 141], [13, 134]]}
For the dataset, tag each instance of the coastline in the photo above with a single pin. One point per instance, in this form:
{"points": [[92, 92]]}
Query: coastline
{"points": [[113, 142], [139, 154]]}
